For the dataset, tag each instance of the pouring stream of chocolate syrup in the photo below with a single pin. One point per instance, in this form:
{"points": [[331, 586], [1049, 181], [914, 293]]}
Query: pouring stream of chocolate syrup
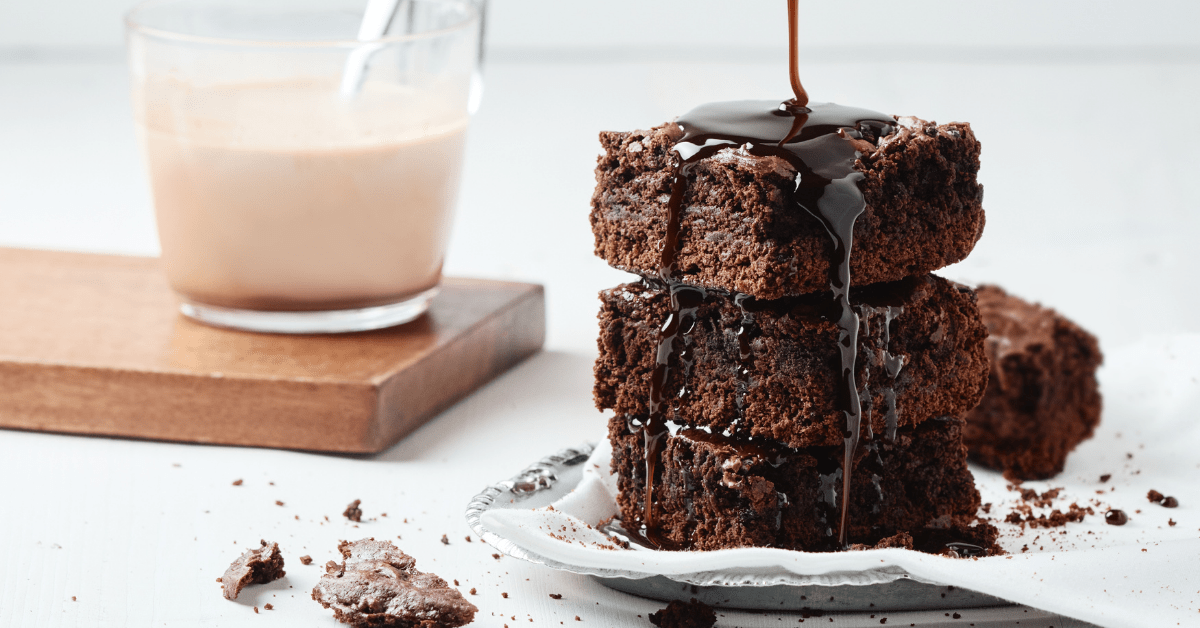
{"points": [[821, 143]]}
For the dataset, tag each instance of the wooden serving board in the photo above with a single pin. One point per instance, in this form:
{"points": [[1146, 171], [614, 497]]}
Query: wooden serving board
{"points": [[95, 344]]}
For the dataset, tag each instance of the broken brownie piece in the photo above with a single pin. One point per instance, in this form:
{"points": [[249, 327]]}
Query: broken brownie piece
{"points": [[256, 566], [769, 369], [679, 614], [378, 585], [743, 231], [718, 492], [1042, 397]]}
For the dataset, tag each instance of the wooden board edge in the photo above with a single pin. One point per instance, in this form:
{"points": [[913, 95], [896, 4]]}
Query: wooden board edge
{"points": [[515, 333]]}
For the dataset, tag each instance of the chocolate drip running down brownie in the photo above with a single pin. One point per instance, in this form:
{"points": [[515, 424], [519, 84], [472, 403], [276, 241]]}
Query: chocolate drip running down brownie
{"points": [[717, 492], [769, 369], [1042, 398], [740, 228]]}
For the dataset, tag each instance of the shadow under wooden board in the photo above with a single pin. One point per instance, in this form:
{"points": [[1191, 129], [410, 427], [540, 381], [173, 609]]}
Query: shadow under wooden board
{"points": [[95, 344]]}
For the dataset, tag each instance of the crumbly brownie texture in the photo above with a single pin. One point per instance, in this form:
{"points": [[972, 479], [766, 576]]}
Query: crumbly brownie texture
{"points": [[717, 492], [1042, 398], [742, 230], [256, 566], [789, 387], [379, 585], [680, 614]]}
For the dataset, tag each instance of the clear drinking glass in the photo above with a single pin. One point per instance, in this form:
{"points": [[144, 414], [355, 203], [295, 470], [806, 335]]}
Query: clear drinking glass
{"points": [[287, 202]]}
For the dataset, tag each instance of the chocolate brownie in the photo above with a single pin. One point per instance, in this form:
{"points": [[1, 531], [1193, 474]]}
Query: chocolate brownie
{"points": [[256, 566], [742, 230], [769, 369], [379, 585], [1042, 398], [679, 614], [720, 492]]}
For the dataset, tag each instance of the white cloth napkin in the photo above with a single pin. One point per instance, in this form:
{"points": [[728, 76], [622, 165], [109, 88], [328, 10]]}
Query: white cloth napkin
{"points": [[1145, 573]]}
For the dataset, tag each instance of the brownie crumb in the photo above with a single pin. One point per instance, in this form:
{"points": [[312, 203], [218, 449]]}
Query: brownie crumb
{"points": [[473, 591], [306, 560], [237, 482], [468, 537], [353, 512], [956, 616], [278, 503], [496, 556], [74, 600], [256, 566], [1104, 478], [556, 596], [1170, 522], [684, 615], [1154, 496], [504, 595], [255, 610], [577, 618], [268, 607], [378, 585]]}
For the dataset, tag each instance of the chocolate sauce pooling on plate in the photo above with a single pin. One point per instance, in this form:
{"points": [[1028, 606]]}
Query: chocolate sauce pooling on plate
{"points": [[821, 142]]}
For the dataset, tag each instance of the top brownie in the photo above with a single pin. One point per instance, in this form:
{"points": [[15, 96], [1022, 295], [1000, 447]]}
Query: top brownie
{"points": [[743, 231]]}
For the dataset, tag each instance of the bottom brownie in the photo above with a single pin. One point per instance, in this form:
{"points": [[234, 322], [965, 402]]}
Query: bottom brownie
{"points": [[718, 492], [1042, 398]]}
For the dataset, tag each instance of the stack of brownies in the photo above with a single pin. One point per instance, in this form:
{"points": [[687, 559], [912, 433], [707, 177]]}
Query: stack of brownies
{"points": [[753, 394]]}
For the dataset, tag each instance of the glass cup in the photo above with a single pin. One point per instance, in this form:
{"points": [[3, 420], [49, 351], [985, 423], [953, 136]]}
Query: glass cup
{"points": [[303, 181]]}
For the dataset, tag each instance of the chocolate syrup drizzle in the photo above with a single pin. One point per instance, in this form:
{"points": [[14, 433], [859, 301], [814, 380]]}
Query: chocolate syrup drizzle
{"points": [[821, 143]]}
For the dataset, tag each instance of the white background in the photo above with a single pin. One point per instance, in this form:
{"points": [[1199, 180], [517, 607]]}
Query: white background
{"points": [[1086, 112]]}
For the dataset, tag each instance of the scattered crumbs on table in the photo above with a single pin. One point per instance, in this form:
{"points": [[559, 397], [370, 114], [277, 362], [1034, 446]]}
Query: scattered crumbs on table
{"points": [[278, 503], [496, 556], [237, 482], [445, 541], [306, 560], [473, 591], [556, 596], [255, 610], [268, 606], [353, 512]]}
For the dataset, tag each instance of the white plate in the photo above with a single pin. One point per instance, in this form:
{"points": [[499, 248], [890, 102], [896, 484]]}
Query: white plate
{"points": [[1138, 574]]}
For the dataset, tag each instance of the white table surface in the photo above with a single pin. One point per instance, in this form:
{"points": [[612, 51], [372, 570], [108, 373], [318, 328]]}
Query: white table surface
{"points": [[1092, 208]]}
